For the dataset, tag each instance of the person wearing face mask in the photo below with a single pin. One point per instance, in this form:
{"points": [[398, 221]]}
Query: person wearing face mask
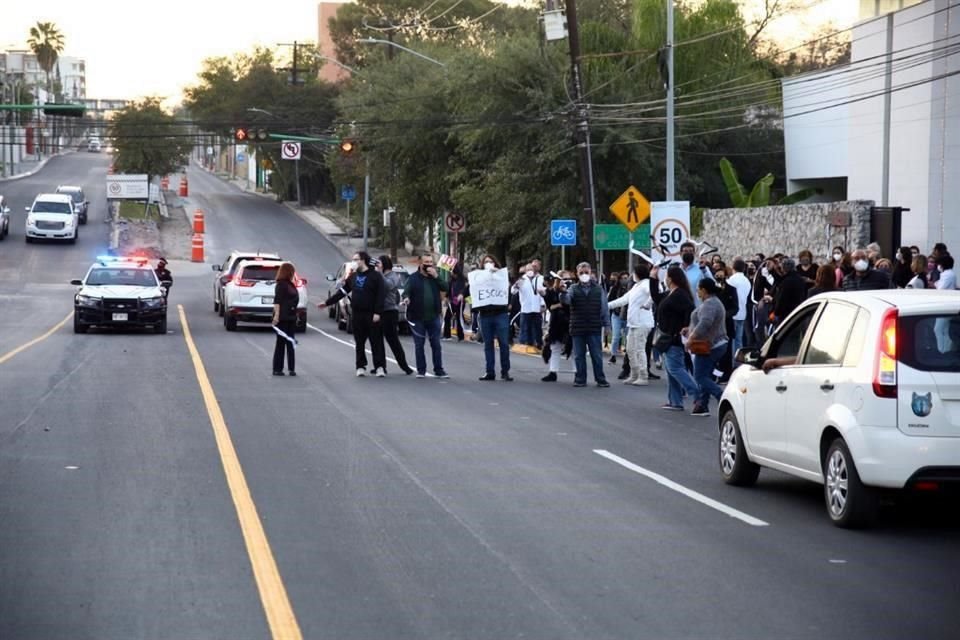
{"points": [[807, 268], [367, 294], [618, 316], [707, 324], [933, 274], [530, 289], [390, 319], [422, 295], [639, 306], [589, 316], [948, 279], [453, 316], [728, 295], [495, 325], [902, 270], [558, 334], [691, 269], [864, 277]]}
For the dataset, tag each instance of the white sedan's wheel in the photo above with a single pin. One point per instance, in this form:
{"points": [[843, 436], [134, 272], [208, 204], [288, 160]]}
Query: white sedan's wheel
{"points": [[850, 504], [735, 467]]}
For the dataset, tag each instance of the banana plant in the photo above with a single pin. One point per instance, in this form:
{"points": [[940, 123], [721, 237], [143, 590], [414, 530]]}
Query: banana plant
{"points": [[759, 195]]}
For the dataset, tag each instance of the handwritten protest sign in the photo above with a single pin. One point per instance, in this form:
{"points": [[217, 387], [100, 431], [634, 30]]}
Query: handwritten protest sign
{"points": [[489, 288]]}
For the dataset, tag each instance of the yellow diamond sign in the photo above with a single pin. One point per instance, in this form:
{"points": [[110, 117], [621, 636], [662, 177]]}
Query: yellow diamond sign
{"points": [[631, 208]]}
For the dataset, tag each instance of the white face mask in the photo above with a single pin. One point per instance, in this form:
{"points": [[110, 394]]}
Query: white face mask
{"points": [[488, 266], [764, 272], [355, 264], [899, 256], [861, 265], [584, 278], [530, 274], [838, 257]]}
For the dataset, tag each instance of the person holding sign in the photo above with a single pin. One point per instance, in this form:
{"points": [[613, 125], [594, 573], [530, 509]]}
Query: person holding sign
{"points": [[490, 293]]}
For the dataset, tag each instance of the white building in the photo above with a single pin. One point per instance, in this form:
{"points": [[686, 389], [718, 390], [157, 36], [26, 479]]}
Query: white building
{"points": [[21, 65], [73, 77], [886, 127]]}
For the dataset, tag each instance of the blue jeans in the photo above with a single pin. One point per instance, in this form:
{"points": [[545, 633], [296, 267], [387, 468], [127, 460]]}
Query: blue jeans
{"points": [[593, 341], [423, 331], [498, 327], [678, 378], [737, 337], [617, 324], [703, 367], [531, 329]]}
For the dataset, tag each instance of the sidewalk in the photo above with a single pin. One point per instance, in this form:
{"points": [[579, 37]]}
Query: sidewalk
{"points": [[29, 167]]}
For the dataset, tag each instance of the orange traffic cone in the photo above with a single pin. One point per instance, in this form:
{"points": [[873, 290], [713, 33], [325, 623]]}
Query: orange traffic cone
{"points": [[184, 189], [196, 254], [198, 225]]}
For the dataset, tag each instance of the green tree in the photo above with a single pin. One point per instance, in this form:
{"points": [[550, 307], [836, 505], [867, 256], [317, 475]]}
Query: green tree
{"points": [[148, 140], [248, 90], [47, 43], [759, 195]]}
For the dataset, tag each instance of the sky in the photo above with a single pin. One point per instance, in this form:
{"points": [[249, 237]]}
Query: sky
{"points": [[134, 49]]}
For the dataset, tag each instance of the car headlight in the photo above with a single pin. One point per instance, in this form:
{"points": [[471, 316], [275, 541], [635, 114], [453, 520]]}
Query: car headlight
{"points": [[152, 303], [88, 301]]}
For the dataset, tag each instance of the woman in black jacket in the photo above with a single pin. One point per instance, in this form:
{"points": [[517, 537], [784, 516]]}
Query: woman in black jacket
{"points": [[902, 270], [558, 333], [285, 301], [673, 315]]}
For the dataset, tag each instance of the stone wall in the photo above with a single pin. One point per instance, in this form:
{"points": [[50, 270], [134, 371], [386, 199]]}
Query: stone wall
{"points": [[788, 229]]}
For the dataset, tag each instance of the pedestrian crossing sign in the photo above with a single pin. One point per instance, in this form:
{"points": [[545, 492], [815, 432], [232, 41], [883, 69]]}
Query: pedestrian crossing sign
{"points": [[631, 208]]}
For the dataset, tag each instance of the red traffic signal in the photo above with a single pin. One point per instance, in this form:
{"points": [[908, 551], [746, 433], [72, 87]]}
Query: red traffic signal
{"points": [[241, 134], [347, 147]]}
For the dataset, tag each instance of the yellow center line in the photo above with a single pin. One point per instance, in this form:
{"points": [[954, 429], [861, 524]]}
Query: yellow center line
{"points": [[26, 346], [273, 595]]}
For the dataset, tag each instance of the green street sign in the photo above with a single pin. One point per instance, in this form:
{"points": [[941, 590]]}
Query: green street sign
{"points": [[615, 237]]}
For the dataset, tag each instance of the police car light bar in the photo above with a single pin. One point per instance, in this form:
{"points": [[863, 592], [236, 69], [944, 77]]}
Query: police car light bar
{"points": [[140, 260]]}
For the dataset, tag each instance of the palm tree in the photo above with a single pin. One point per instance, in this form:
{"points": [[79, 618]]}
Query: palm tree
{"points": [[46, 42]]}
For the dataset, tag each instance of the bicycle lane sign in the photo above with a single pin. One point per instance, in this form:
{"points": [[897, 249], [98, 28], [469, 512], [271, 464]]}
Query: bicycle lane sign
{"points": [[563, 233]]}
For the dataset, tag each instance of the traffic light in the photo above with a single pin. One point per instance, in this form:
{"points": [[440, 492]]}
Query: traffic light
{"points": [[241, 134], [68, 110], [347, 147]]}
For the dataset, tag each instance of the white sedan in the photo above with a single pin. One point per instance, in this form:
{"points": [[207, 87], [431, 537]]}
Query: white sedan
{"points": [[857, 391]]}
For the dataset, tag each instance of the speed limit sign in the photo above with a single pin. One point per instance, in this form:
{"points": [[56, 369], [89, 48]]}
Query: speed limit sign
{"points": [[669, 227]]}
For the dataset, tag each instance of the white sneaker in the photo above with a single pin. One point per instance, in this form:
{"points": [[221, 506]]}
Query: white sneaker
{"points": [[640, 383], [380, 372], [361, 372]]}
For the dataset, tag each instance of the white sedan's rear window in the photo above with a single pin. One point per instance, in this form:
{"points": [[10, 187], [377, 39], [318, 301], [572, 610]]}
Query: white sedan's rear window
{"points": [[931, 342]]}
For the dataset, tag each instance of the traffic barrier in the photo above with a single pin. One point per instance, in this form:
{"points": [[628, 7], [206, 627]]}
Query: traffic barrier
{"points": [[184, 188], [196, 254], [198, 225]]}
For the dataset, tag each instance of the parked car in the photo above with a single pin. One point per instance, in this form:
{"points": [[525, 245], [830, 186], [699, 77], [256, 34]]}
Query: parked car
{"points": [[248, 296], [228, 269], [52, 216], [94, 146], [341, 311], [80, 202], [863, 397], [4, 218]]}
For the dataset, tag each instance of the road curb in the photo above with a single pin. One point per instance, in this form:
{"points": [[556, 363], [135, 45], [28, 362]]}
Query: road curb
{"points": [[37, 168]]}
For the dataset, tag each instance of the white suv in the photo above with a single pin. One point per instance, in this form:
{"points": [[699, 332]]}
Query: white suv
{"points": [[867, 399], [248, 296], [228, 269], [52, 216]]}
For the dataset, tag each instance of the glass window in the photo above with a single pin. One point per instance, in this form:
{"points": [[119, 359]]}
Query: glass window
{"points": [[930, 342], [260, 273], [787, 343], [829, 338], [858, 336]]}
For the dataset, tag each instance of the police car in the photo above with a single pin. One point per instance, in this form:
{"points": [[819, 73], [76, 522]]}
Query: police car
{"points": [[120, 292]]}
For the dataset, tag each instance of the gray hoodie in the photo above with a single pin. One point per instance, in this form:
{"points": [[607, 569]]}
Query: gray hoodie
{"points": [[709, 322], [391, 280]]}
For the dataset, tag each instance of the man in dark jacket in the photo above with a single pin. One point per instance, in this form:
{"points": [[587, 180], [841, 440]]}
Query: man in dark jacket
{"points": [[790, 290], [588, 317], [864, 277], [422, 296], [367, 294]]}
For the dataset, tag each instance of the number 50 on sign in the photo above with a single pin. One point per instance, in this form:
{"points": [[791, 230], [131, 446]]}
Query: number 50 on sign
{"points": [[670, 227]]}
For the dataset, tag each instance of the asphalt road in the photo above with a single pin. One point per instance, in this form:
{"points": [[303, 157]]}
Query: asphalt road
{"points": [[389, 508]]}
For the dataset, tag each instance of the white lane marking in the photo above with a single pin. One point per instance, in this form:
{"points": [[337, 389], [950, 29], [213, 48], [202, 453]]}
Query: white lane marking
{"points": [[352, 345], [679, 488]]}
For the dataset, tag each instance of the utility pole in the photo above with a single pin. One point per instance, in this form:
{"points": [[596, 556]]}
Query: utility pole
{"points": [[394, 226], [671, 151], [583, 125]]}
